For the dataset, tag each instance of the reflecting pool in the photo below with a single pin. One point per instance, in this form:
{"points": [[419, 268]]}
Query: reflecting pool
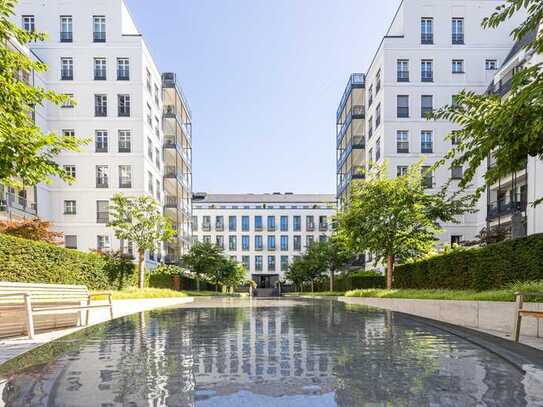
{"points": [[266, 353]]}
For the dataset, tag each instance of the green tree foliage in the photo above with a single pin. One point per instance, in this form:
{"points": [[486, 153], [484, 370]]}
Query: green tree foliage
{"points": [[509, 128], [233, 273], [140, 221], [204, 259], [396, 219], [337, 254], [27, 154], [298, 272]]}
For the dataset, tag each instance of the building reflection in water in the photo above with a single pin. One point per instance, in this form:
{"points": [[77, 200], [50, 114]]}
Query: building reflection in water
{"points": [[318, 353]]}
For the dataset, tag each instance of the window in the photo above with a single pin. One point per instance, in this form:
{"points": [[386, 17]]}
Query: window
{"points": [[245, 223], [402, 72], [150, 186], [246, 262], [426, 70], [102, 243], [426, 105], [149, 149], [195, 223], [456, 239], [457, 66], [68, 104], [99, 69], [232, 223], [245, 242], [297, 223], [124, 105], [258, 263], [258, 242], [378, 81], [157, 99], [69, 208], [70, 170], [457, 30], [401, 170], [66, 69], [232, 243], [370, 95], [491, 64], [378, 149], [219, 223], [123, 69], [309, 240], [309, 223], [219, 241], [323, 222], [148, 79], [29, 23], [101, 141], [100, 105], [271, 263], [323, 238], [271, 223], [427, 30], [258, 223], [70, 241], [157, 158], [426, 144], [284, 263], [68, 133], [454, 138], [428, 177], [284, 242], [403, 106], [125, 176], [101, 176], [127, 247], [99, 28], [271, 242], [157, 185], [457, 173], [297, 239], [66, 29], [284, 223], [206, 223], [102, 211], [378, 115], [370, 127], [125, 141], [206, 239], [402, 141]]}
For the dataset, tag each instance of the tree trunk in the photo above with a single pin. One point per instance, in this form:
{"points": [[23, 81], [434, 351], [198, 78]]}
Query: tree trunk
{"points": [[390, 270], [197, 282], [216, 286], [331, 280], [312, 286], [141, 268]]}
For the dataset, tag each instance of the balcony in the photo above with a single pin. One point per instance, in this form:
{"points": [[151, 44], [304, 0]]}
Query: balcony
{"points": [[169, 111], [309, 227], [356, 80], [323, 227], [171, 201], [20, 203], [219, 227], [171, 259], [171, 142], [500, 208], [66, 36], [206, 227], [356, 112]]}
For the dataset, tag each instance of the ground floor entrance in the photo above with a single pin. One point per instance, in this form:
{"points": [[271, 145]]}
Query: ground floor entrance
{"points": [[265, 280]]}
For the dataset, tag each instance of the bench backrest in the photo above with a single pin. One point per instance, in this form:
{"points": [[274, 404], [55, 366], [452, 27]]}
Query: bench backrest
{"points": [[42, 293]]}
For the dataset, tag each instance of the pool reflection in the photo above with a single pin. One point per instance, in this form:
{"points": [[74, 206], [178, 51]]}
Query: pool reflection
{"points": [[296, 354]]}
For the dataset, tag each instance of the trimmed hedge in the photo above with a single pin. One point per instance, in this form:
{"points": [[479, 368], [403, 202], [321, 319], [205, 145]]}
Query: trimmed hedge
{"points": [[350, 282], [490, 267], [29, 261]]}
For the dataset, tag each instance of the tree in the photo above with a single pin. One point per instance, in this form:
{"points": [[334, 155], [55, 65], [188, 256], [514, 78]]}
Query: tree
{"points": [[338, 256], [233, 273], [396, 219], [298, 272], [509, 128], [27, 154], [203, 259], [316, 259], [33, 229], [140, 221]]}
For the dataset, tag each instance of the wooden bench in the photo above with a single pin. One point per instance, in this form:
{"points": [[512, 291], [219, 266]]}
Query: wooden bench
{"points": [[520, 312], [25, 307]]}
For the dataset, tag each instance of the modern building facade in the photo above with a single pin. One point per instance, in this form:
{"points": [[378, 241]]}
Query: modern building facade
{"points": [[507, 208], [350, 136], [432, 50], [95, 54], [264, 232]]}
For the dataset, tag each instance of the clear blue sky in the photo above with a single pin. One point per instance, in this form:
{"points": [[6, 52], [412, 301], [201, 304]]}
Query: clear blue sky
{"points": [[263, 79]]}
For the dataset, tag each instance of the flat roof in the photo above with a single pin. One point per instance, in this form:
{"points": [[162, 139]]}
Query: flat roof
{"points": [[200, 197]]}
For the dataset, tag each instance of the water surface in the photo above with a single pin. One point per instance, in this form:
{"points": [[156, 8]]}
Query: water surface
{"points": [[266, 353]]}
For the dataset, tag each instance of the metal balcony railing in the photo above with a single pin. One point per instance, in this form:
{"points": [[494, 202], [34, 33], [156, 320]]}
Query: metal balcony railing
{"points": [[10, 200], [501, 208], [171, 201]]}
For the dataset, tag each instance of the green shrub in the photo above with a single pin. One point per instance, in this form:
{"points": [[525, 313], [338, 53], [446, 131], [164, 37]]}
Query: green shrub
{"points": [[491, 267], [29, 261]]}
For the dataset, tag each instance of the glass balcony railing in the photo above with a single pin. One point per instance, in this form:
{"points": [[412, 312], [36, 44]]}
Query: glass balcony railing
{"points": [[356, 80], [502, 208]]}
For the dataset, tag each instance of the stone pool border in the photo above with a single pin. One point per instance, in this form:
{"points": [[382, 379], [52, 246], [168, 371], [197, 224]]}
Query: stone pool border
{"points": [[15, 346]]}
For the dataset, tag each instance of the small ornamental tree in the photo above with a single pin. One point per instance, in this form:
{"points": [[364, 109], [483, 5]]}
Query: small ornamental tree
{"points": [[396, 219], [338, 256], [203, 259], [507, 128], [233, 273], [298, 272], [33, 229], [316, 259], [140, 221], [27, 154]]}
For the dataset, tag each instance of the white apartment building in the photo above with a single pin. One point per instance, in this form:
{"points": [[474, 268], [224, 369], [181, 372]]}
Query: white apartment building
{"points": [[264, 232], [507, 207], [432, 50], [95, 53]]}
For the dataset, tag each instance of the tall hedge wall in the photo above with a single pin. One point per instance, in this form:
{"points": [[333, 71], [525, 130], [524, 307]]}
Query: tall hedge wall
{"points": [[489, 267], [30, 261]]}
